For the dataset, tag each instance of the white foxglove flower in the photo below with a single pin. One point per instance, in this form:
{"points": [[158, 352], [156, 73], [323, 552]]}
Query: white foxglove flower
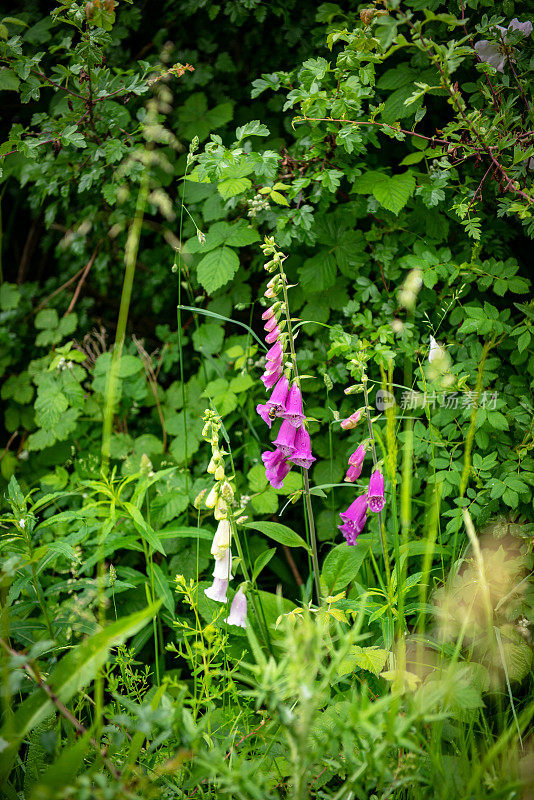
{"points": [[217, 590], [223, 566], [238, 610], [221, 540], [211, 499]]}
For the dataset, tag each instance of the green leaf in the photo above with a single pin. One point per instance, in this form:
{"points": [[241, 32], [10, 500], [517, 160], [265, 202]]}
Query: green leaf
{"points": [[49, 406], [162, 588], [75, 671], [523, 341], [394, 193], [194, 119], [279, 198], [341, 566], [372, 659], [9, 296], [261, 562], [233, 186], [9, 82], [62, 772], [208, 338], [318, 273], [143, 527], [252, 128], [217, 268], [279, 533], [47, 319]]}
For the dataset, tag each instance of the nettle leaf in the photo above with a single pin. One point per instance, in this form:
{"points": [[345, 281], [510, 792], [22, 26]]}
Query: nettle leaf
{"points": [[217, 268]]}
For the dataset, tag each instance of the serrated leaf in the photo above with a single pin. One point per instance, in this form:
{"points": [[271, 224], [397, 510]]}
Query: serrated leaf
{"points": [[49, 407], [217, 268], [394, 193], [318, 273], [252, 128], [230, 187]]}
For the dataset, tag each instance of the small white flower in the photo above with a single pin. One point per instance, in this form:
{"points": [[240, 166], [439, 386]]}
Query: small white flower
{"points": [[22, 523]]}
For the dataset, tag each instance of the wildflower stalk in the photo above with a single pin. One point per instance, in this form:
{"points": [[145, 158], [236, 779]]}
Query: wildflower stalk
{"points": [[260, 618], [375, 462], [307, 493]]}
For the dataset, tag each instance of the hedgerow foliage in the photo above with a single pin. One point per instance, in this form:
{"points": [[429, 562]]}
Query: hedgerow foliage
{"points": [[388, 151]]}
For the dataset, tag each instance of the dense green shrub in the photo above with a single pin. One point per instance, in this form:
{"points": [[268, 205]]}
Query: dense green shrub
{"points": [[388, 151]]}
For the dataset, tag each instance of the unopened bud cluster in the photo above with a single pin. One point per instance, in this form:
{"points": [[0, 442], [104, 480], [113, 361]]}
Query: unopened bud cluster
{"points": [[257, 204], [221, 496]]}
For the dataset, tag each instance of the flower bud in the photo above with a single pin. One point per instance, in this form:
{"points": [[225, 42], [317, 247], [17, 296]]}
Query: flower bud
{"points": [[199, 498], [221, 509], [211, 499], [219, 473], [226, 491]]}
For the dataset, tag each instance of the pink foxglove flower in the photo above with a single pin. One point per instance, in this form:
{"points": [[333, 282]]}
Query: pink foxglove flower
{"points": [[221, 539], [270, 378], [293, 412], [277, 400], [270, 312], [302, 455], [238, 610], [273, 336], [354, 519], [352, 421], [263, 410], [276, 353], [285, 441], [223, 566], [217, 590], [355, 464], [353, 473], [376, 492], [270, 325], [276, 467], [277, 476]]}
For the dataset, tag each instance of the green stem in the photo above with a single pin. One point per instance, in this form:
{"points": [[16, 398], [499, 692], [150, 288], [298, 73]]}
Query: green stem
{"points": [[261, 623], [307, 493], [375, 462], [130, 258]]}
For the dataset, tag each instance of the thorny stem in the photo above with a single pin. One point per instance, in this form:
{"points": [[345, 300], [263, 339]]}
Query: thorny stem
{"points": [[375, 461], [307, 493], [33, 672]]}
